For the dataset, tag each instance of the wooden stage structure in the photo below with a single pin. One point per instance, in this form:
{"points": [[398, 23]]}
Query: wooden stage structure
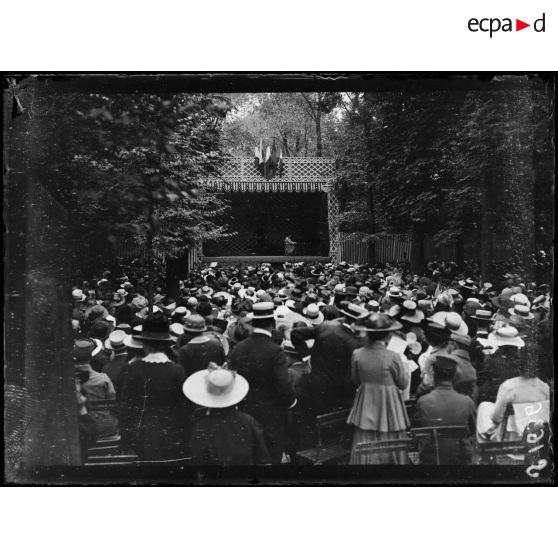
{"points": [[298, 175]]}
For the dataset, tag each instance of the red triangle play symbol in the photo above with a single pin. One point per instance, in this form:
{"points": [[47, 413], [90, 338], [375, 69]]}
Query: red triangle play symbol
{"points": [[519, 25]]}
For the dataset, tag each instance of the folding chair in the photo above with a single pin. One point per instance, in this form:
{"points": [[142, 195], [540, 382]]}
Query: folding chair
{"points": [[332, 433], [516, 418], [382, 447], [434, 434]]}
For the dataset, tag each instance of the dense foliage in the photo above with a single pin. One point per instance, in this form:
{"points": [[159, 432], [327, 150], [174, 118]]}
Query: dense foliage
{"points": [[127, 166], [466, 167]]}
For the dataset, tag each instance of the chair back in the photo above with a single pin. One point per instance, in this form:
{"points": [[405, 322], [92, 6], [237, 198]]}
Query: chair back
{"points": [[334, 422], [525, 413], [102, 405], [410, 407], [379, 447], [434, 434]]}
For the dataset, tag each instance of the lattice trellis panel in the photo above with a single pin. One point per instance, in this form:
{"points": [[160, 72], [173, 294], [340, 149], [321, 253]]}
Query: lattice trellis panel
{"points": [[295, 169], [333, 223], [265, 186]]}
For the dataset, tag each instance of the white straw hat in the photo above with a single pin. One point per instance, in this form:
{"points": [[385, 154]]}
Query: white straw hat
{"points": [[522, 311], [216, 387], [506, 335], [132, 343], [313, 313], [455, 323], [78, 296], [520, 298], [115, 341]]}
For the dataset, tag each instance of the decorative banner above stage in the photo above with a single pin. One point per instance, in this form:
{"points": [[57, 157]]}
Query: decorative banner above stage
{"points": [[269, 160]]}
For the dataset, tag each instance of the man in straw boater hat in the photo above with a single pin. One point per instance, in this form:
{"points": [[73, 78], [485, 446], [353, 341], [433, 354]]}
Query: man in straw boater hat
{"points": [[224, 436], [483, 319], [264, 364], [330, 361], [119, 357], [153, 413], [79, 306]]}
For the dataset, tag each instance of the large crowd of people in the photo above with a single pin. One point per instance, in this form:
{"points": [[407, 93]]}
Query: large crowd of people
{"points": [[235, 370]]}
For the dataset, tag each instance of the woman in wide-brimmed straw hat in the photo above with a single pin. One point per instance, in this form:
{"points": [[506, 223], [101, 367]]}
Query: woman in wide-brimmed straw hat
{"points": [[224, 436], [506, 336], [504, 362], [512, 382], [378, 411]]}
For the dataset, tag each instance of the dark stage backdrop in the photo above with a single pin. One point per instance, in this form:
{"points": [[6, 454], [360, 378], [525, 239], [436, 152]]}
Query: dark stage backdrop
{"points": [[261, 221]]}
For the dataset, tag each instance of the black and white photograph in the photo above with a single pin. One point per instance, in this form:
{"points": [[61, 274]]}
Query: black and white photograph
{"points": [[278, 278]]}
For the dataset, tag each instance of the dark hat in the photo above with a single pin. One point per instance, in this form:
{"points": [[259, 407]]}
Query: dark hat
{"points": [[83, 348], [96, 312], [352, 310], [240, 330], [445, 364], [289, 348], [420, 295], [195, 323], [437, 328], [330, 312], [351, 291], [296, 294], [155, 328], [220, 324], [376, 322], [100, 329], [205, 308]]}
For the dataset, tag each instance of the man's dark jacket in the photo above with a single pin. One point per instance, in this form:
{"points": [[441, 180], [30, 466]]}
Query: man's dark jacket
{"points": [[330, 363], [113, 369], [264, 364], [196, 355], [228, 437], [445, 407]]}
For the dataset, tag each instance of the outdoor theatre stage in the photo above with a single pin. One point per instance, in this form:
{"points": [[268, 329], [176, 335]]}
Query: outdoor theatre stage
{"points": [[262, 220], [300, 203]]}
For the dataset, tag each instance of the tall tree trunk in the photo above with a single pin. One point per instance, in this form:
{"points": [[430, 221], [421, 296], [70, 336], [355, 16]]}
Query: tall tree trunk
{"points": [[485, 233], [38, 336], [176, 269], [417, 250], [150, 255], [365, 115], [319, 148], [460, 251]]}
